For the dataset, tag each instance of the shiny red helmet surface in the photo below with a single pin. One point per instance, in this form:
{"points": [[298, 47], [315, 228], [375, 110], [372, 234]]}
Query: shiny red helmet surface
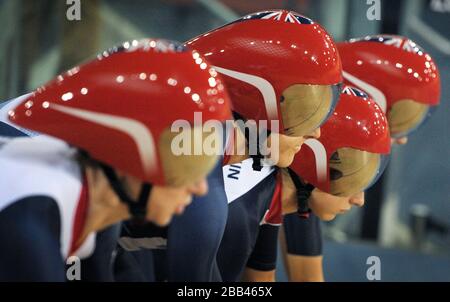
{"points": [[117, 106], [397, 73], [263, 54], [357, 123]]}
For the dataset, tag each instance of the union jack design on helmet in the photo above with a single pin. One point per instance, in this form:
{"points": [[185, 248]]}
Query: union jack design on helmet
{"points": [[396, 41], [286, 16], [354, 91]]}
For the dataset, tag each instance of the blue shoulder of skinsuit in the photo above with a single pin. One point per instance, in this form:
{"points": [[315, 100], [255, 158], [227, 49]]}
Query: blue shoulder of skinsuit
{"points": [[7, 129]]}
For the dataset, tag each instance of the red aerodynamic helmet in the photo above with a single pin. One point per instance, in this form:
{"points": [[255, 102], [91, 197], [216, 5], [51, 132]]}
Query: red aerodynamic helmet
{"points": [[278, 65], [119, 108], [351, 151], [399, 75]]}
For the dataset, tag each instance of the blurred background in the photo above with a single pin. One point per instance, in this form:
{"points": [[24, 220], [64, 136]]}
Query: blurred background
{"points": [[406, 220]]}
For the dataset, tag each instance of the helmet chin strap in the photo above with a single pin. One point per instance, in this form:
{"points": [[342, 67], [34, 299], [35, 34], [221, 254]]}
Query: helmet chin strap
{"points": [[257, 158], [137, 208], [303, 193], [257, 166]]}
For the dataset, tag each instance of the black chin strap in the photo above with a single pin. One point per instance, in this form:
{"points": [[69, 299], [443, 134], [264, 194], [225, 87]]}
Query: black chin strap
{"points": [[257, 158], [303, 193], [137, 208], [257, 166]]}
